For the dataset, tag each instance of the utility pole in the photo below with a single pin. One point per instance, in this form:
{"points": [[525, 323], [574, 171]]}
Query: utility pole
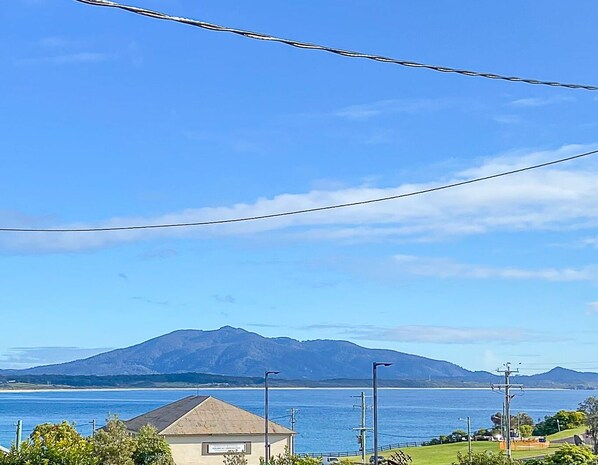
{"points": [[468, 419], [361, 437], [19, 434], [293, 412], [507, 386], [469, 440], [375, 365], [93, 428], [266, 421]]}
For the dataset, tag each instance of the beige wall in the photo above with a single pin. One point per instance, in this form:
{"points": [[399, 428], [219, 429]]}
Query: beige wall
{"points": [[188, 450]]}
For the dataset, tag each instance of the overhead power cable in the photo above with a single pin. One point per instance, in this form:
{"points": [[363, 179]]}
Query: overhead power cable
{"points": [[305, 210], [336, 51]]}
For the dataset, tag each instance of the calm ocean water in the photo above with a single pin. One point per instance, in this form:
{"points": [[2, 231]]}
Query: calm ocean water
{"points": [[325, 417]]}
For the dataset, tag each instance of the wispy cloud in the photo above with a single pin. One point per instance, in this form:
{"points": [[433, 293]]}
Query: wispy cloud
{"points": [[58, 50], [540, 101], [592, 308], [432, 334], [25, 357], [590, 242], [385, 107], [442, 334], [507, 119], [555, 198], [55, 42], [70, 58], [447, 268]]}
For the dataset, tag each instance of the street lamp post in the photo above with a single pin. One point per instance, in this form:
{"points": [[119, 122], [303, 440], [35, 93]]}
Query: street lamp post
{"points": [[266, 424], [468, 438], [375, 365]]}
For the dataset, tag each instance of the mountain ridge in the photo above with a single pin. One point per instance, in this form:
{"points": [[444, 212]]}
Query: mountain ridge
{"points": [[236, 352]]}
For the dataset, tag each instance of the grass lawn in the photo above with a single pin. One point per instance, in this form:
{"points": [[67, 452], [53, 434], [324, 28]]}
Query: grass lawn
{"points": [[446, 454], [567, 433]]}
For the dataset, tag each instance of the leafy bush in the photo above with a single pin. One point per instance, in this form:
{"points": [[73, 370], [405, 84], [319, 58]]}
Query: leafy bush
{"points": [[235, 459], [563, 418], [291, 459], [486, 458], [526, 430], [152, 449], [61, 444], [455, 436], [569, 454], [49, 444]]}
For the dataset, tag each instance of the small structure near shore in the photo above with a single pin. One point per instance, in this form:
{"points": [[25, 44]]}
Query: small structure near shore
{"points": [[527, 444], [202, 429]]}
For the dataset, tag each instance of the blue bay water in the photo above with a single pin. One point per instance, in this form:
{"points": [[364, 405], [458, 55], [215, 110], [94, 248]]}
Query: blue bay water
{"points": [[325, 417]]}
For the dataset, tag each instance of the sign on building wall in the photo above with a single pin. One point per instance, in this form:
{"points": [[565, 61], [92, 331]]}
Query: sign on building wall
{"points": [[221, 448]]}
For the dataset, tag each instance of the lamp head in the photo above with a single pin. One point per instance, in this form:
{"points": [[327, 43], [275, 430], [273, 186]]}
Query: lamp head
{"points": [[383, 364]]}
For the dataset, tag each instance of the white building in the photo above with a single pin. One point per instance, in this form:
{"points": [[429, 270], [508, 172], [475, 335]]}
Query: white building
{"points": [[202, 429]]}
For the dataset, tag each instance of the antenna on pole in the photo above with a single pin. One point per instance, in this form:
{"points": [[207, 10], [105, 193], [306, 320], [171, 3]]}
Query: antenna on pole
{"points": [[507, 386]]}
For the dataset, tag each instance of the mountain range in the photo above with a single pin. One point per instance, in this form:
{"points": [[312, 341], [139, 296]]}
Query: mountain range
{"points": [[236, 352]]}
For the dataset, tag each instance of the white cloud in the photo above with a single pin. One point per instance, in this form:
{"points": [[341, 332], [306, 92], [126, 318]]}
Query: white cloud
{"points": [[53, 41], [446, 268], [590, 242], [540, 101], [25, 357], [592, 308], [507, 119], [441, 334], [555, 198], [385, 107], [70, 58]]}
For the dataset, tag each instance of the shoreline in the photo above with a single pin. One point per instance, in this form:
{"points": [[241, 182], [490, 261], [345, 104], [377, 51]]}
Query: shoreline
{"points": [[283, 388]]}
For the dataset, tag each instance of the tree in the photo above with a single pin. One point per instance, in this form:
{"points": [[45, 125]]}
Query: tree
{"points": [[113, 444], [517, 420], [152, 449], [482, 433], [526, 430], [590, 408], [457, 436], [496, 420], [486, 458], [568, 454], [52, 444], [521, 419], [561, 420]]}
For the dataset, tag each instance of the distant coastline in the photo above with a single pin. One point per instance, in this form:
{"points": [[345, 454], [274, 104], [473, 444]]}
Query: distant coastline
{"points": [[22, 389]]}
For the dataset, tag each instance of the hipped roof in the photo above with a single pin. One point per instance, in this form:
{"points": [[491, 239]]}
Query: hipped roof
{"points": [[200, 415]]}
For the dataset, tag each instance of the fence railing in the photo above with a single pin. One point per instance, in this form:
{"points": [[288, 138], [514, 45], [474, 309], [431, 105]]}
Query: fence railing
{"points": [[353, 453]]}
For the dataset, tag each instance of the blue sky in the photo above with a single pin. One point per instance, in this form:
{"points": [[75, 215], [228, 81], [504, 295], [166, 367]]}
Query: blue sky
{"points": [[110, 119]]}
